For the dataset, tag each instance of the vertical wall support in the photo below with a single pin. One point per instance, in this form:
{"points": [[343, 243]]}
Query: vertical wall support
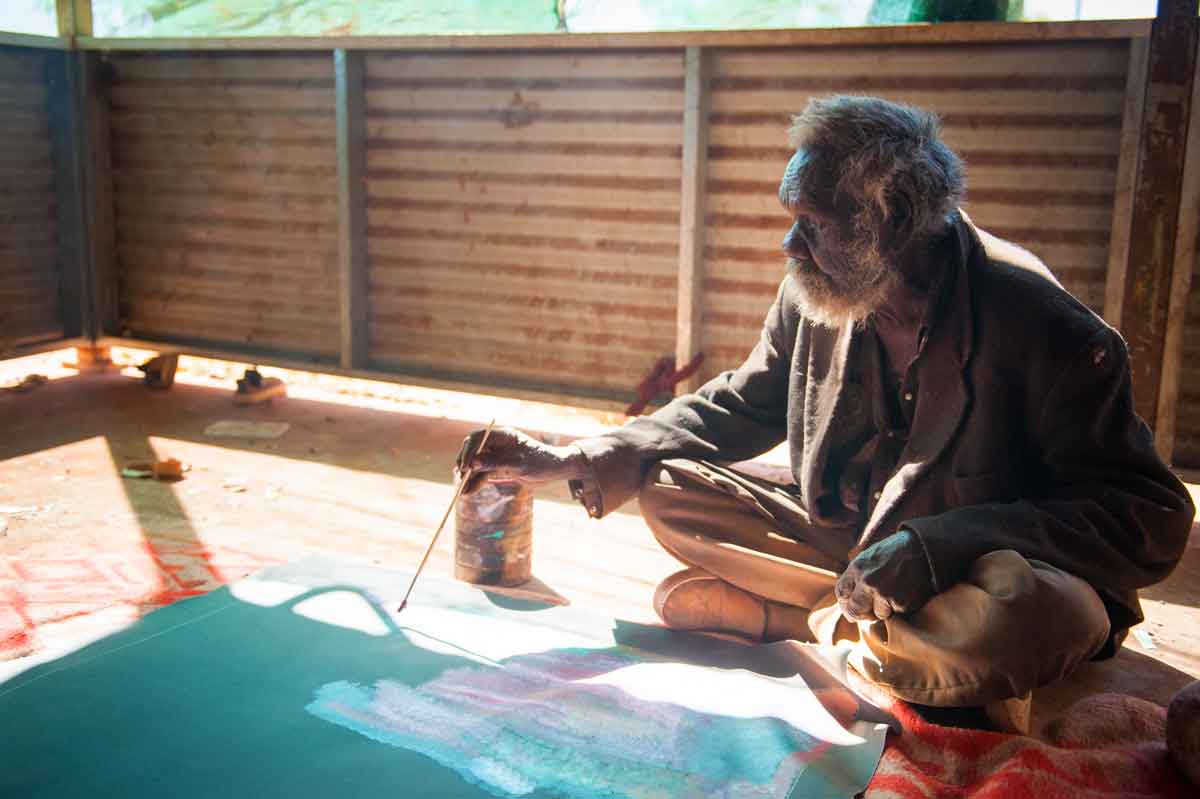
{"points": [[1187, 247], [80, 135], [95, 81], [352, 210], [690, 302], [80, 131], [67, 149], [74, 18], [1130, 146], [1156, 198]]}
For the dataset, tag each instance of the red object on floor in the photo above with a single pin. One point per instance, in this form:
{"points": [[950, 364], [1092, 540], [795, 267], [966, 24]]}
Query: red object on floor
{"points": [[928, 761]]}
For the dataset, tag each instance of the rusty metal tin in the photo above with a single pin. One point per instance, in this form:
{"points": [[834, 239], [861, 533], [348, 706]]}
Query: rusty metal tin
{"points": [[493, 543]]}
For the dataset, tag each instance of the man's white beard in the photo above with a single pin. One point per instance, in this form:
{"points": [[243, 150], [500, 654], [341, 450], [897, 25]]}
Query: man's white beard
{"points": [[831, 305]]}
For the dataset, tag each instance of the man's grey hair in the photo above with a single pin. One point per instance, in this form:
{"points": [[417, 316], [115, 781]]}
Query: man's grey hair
{"points": [[887, 157]]}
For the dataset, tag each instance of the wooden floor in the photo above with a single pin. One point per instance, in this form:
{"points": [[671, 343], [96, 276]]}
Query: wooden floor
{"points": [[363, 473]]}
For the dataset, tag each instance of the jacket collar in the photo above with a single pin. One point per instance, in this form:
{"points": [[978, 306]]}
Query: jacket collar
{"points": [[834, 398], [942, 399]]}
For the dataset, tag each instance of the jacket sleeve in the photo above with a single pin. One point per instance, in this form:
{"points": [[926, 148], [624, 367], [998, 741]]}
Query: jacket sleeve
{"points": [[737, 415], [1112, 514]]}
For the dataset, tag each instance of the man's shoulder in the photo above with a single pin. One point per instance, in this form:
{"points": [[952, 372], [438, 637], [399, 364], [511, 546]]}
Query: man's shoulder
{"points": [[1014, 293]]}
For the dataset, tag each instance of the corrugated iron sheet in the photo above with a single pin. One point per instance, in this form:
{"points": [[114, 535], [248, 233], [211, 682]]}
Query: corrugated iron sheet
{"points": [[1038, 125], [30, 302], [523, 215], [224, 182], [523, 207], [1187, 425]]}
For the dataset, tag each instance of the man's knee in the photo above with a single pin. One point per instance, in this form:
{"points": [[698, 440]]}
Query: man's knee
{"points": [[1060, 611], [1011, 626], [660, 488]]}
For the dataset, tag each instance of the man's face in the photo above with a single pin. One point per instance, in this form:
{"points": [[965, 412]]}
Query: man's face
{"points": [[837, 265]]}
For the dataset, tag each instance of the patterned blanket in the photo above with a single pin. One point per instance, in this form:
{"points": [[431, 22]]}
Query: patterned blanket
{"points": [[45, 604]]}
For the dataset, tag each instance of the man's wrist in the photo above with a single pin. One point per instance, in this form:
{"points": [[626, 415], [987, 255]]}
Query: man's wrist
{"points": [[574, 462], [919, 543]]}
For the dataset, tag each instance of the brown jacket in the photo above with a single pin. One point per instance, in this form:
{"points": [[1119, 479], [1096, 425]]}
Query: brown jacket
{"points": [[1023, 437]]}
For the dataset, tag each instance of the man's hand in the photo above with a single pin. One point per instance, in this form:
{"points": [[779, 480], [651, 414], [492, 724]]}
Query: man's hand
{"points": [[510, 455], [892, 576]]}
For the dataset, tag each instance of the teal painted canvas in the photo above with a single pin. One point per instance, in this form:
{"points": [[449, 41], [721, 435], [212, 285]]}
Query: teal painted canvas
{"points": [[304, 681]]}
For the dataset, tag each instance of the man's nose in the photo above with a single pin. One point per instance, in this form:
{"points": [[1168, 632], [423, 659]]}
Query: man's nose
{"points": [[794, 244]]}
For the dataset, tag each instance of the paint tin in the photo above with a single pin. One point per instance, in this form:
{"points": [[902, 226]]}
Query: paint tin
{"points": [[493, 543]]}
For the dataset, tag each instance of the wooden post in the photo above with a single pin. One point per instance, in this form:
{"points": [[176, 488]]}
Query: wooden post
{"points": [[80, 129], [1156, 198], [94, 85], [67, 149], [352, 211], [690, 303], [1131, 137], [92, 234], [1187, 242], [74, 18]]}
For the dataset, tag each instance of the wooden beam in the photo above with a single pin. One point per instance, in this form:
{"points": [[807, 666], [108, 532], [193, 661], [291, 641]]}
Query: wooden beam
{"points": [[67, 148], [39, 347], [1187, 247], [352, 209], [94, 84], [1156, 198], [8, 39], [83, 18], [74, 18], [1131, 137], [64, 15], [922, 34], [79, 130], [690, 302]]}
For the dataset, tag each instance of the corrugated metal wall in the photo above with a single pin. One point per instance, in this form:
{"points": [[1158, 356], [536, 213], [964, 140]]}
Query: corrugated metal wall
{"points": [[1187, 424], [225, 188], [523, 207], [1038, 125], [30, 284], [523, 215]]}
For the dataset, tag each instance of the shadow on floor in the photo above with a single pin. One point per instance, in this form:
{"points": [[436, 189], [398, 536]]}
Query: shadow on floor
{"points": [[127, 415]]}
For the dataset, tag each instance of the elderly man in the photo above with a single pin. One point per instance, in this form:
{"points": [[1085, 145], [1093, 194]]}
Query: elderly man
{"points": [[975, 502]]}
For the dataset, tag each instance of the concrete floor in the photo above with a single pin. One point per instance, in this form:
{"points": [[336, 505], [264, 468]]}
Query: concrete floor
{"points": [[363, 473]]}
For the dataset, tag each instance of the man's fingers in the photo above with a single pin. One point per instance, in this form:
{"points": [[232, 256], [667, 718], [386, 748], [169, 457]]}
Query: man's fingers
{"points": [[469, 450], [460, 458], [858, 609], [881, 608], [844, 586], [858, 605], [474, 482], [469, 454]]}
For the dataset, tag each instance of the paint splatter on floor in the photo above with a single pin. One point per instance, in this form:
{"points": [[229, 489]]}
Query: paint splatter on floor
{"points": [[548, 722]]}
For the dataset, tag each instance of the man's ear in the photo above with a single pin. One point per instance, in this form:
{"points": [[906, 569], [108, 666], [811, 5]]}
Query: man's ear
{"points": [[898, 227]]}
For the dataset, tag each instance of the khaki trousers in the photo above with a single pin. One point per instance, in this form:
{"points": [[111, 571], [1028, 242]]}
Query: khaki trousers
{"points": [[1012, 625]]}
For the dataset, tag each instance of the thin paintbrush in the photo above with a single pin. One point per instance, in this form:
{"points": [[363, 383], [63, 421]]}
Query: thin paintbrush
{"points": [[466, 478]]}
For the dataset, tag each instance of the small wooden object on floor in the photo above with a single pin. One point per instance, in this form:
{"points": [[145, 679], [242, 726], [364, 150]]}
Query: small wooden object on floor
{"points": [[160, 370], [91, 359], [253, 388]]}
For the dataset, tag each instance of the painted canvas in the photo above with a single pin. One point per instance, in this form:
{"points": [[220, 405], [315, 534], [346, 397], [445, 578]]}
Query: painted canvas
{"points": [[303, 681]]}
